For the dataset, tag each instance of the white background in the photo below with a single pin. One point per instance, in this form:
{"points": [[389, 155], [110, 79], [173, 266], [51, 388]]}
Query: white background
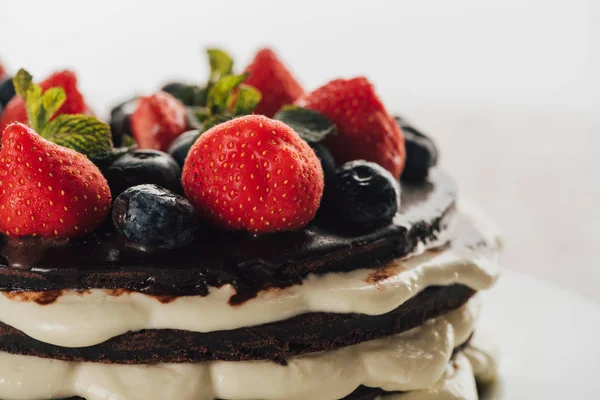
{"points": [[510, 89]]}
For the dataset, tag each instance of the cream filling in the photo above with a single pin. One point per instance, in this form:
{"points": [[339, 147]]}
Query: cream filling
{"points": [[477, 361], [457, 383], [413, 360], [483, 354], [79, 319]]}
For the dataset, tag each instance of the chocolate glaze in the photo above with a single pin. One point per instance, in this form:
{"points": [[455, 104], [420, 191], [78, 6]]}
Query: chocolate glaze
{"points": [[215, 258]]}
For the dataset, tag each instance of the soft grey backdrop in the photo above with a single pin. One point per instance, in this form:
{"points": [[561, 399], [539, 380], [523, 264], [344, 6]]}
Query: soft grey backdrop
{"points": [[509, 88]]}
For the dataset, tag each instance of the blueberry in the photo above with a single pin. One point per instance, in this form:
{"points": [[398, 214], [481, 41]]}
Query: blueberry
{"points": [[363, 194], [154, 216], [180, 147], [7, 92], [120, 121], [327, 161], [421, 153], [143, 166]]}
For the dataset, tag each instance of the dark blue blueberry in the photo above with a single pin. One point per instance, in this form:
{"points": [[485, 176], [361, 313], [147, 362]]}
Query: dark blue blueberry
{"points": [[180, 147], [421, 153], [327, 160], [153, 216], [120, 117], [143, 166], [363, 194], [7, 92]]}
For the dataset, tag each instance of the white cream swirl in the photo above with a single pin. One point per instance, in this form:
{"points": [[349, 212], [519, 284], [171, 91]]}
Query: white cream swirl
{"points": [[413, 360], [457, 383], [477, 361], [483, 354], [78, 319]]}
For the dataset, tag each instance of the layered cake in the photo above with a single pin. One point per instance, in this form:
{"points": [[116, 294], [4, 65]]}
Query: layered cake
{"points": [[237, 239]]}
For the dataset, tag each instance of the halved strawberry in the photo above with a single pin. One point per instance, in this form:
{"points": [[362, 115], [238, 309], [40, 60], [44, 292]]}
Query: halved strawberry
{"points": [[274, 81], [47, 189], [365, 130], [158, 120], [75, 104]]}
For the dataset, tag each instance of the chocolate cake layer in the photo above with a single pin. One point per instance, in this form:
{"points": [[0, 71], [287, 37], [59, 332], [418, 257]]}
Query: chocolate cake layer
{"points": [[216, 258], [306, 333]]}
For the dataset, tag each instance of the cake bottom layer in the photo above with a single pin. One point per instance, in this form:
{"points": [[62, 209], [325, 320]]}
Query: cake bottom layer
{"points": [[413, 360]]}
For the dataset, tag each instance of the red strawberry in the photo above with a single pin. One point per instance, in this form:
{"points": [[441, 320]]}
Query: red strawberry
{"points": [[276, 84], [75, 104], [46, 189], [365, 130], [255, 174], [3, 73], [158, 120]]}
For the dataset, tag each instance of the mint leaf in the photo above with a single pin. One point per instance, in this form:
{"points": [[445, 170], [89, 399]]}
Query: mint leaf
{"points": [[105, 160], [189, 95], [215, 120], [52, 101], [200, 113], [24, 86], [312, 126], [81, 133], [221, 64], [247, 99], [128, 142], [220, 94], [40, 107]]}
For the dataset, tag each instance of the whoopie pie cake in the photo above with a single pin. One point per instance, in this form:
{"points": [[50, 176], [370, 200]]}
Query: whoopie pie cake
{"points": [[241, 239]]}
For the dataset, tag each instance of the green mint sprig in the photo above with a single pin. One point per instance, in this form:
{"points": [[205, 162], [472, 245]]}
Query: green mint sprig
{"points": [[82, 133], [312, 126], [221, 64], [40, 107], [227, 98]]}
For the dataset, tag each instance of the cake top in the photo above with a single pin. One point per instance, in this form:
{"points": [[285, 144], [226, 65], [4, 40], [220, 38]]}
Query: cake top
{"points": [[247, 178]]}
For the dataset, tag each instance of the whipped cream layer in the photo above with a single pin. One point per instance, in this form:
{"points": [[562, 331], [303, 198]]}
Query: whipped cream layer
{"points": [[81, 319], [457, 383], [477, 361], [413, 360], [483, 354]]}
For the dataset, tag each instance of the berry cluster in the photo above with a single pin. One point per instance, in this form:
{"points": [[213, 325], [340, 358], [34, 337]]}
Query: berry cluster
{"points": [[251, 152]]}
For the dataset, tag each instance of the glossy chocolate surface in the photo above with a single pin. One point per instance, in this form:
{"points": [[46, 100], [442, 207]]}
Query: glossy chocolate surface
{"points": [[215, 258]]}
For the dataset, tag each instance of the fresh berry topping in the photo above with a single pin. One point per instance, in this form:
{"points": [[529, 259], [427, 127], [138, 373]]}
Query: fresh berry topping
{"points": [[143, 167], [153, 216], [276, 84], [75, 104], [421, 153], [120, 121], [365, 130], [46, 189], [363, 194], [180, 147], [327, 161], [3, 73], [157, 121], [254, 174], [7, 92]]}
